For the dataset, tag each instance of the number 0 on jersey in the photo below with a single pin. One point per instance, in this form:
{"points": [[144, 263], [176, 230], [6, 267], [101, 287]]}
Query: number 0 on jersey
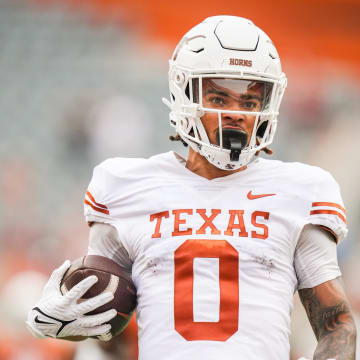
{"points": [[229, 290]]}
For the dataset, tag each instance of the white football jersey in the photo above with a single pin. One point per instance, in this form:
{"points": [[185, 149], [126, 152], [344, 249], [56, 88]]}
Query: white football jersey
{"points": [[213, 260]]}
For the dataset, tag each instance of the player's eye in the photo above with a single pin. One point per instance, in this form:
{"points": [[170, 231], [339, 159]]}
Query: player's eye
{"points": [[217, 100], [250, 105]]}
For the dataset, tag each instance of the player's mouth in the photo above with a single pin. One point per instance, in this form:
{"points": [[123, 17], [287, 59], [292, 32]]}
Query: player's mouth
{"points": [[236, 125], [233, 127]]}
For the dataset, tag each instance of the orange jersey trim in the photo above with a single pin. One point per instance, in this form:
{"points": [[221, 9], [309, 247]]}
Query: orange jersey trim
{"points": [[332, 212], [329, 204], [104, 211], [93, 200]]}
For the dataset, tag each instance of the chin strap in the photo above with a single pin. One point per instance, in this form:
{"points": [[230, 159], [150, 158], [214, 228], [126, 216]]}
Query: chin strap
{"points": [[233, 140]]}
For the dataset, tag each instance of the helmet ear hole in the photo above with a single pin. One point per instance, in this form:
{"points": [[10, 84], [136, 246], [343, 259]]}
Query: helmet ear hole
{"points": [[262, 128]]}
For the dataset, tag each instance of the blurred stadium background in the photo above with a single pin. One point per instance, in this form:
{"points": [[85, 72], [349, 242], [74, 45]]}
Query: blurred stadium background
{"points": [[82, 80]]}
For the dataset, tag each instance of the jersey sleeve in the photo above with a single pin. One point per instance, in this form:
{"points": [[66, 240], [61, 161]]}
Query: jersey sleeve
{"points": [[98, 201], [327, 208], [111, 197], [315, 258]]}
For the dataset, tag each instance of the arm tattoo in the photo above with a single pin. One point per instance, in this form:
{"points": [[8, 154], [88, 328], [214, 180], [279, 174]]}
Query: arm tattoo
{"points": [[331, 320]]}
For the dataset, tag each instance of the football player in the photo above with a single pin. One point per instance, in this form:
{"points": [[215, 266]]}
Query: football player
{"points": [[217, 243]]}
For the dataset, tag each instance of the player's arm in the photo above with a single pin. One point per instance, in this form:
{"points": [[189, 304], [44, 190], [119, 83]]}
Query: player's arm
{"points": [[322, 295], [331, 320], [104, 240]]}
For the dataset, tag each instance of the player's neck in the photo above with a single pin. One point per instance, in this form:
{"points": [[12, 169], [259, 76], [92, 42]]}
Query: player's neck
{"points": [[200, 166]]}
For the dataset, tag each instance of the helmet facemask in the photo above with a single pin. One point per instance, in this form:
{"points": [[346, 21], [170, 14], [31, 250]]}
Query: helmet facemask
{"points": [[236, 101]]}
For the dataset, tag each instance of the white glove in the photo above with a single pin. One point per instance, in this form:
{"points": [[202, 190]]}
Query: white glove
{"points": [[58, 315]]}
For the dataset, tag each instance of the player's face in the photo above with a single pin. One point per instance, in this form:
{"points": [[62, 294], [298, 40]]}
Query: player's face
{"points": [[231, 95]]}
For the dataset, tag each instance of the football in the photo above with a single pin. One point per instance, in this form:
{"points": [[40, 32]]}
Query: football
{"points": [[111, 277]]}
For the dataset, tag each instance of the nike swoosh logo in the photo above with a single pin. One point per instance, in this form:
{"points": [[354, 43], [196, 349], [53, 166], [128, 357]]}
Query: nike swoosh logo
{"points": [[37, 320], [63, 322], [252, 196]]}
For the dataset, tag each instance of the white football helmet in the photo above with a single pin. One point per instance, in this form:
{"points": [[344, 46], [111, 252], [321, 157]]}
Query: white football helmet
{"points": [[227, 52]]}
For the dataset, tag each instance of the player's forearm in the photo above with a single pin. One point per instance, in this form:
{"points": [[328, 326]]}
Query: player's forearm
{"points": [[337, 339], [330, 317]]}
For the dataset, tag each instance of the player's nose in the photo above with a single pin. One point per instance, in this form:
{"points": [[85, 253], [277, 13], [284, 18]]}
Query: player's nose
{"points": [[232, 116]]}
